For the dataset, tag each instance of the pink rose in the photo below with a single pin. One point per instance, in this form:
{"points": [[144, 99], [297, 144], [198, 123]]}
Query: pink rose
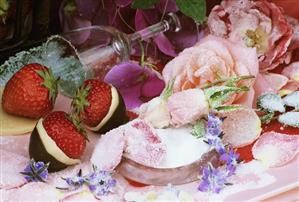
{"points": [[211, 59], [258, 24]]}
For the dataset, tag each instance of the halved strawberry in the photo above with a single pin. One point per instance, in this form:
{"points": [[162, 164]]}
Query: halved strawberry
{"points": [[31, 92], [99, 106], [58, 140]]}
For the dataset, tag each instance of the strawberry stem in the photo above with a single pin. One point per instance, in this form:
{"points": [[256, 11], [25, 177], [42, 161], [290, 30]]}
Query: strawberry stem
{"points": [[49, 82]]}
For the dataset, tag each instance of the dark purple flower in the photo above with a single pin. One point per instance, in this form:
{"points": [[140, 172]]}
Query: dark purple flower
{"points": [[101, 182], [212, 180], [75, 182], [36, 171], [135, 83]]}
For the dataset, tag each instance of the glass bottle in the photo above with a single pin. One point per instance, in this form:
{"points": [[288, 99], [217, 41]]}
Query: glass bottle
{"points": [[99, 48]]}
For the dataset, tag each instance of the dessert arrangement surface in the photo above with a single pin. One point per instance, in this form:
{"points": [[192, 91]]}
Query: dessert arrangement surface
{"points": [[219, 121]]}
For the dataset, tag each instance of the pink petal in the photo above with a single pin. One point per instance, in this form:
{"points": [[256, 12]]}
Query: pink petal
{"points": [[277, 81], [262, 86], [187, 106], [276, 149], [143, 144], [111, 143], [241, 127], [11, 166], [35, 191], [292, 71]]}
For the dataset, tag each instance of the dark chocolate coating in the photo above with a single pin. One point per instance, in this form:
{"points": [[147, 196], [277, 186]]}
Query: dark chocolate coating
{"points": [[119, 117], [38, 152]]}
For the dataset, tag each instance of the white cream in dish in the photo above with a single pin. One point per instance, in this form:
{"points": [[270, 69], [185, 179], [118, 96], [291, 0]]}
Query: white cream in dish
{"points": [[182, 148]]}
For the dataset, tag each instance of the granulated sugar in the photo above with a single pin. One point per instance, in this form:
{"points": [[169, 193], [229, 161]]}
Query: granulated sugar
{"points": [[182, 147]]}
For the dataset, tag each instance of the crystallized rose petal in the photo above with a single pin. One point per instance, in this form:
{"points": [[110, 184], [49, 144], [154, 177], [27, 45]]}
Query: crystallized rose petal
{"points": [[276, 149], [143, 144], [35, 191], [80, 196], [11, 166], [109, 149], [187, 106], [241, 127]]}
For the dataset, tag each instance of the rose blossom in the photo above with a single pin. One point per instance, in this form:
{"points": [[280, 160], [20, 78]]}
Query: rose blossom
{"points": [[258, 24], [211, 59]]}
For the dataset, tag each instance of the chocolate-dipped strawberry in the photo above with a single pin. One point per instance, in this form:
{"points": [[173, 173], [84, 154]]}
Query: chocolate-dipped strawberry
{"points": [[58, 140], [99, 106]]}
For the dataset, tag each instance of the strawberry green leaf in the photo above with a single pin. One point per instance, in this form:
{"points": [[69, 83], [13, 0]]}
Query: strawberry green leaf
{"points": [[196, 9], [50, 83], [143, 4], [199, 129], [270, 102], [290, 118], [292, 100]]}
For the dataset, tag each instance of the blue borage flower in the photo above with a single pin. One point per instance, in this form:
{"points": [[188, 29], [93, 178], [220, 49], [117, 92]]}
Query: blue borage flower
{"points": [[99, 182], [73, 183], [36, 171], [215, 179]]}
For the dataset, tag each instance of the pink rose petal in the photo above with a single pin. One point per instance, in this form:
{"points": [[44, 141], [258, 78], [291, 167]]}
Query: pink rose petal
{"points": [[109, 149], [277, 81], [276, 149], [292, 71], [34, 191], [143, 144], [241, 127], [11, 166], [187, 106]]}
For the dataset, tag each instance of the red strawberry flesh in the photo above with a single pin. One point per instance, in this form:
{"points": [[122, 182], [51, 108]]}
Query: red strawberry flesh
{"points": [[99, 99], [25, 94], [65, 134]]}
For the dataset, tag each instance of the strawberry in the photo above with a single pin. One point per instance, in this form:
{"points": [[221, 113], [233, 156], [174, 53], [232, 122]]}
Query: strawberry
{"points": [[99, 106], [31, 92], [59, 127]]}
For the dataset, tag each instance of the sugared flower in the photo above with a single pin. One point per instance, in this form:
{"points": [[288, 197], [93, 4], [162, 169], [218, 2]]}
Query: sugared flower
{"points": [[213, 179], [258, 24], [36, 171], [101, 182], [187, 106], [74, 183], [212, 59]]}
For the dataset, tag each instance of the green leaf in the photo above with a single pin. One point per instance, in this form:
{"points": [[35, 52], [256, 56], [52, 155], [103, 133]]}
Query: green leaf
{"points": [[168, 90], [234, 81], [290, 118], [265, 119], [227, 108], [196, 9], [199, 129], [217, 95], [270, 102], [144, 4], [292, 100]]}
